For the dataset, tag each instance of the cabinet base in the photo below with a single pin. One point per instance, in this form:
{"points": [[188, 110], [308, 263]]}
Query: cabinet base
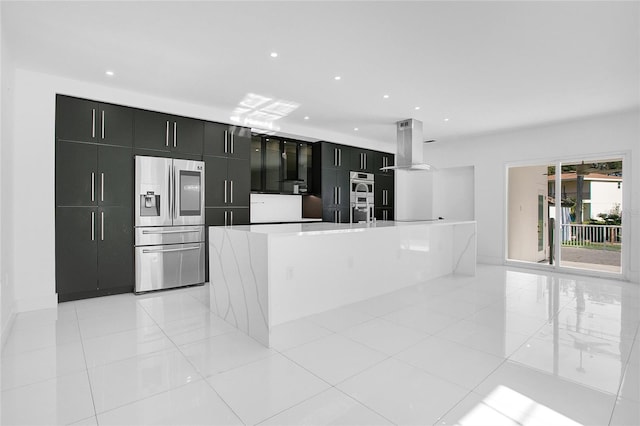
{"points": [[68, 297]]}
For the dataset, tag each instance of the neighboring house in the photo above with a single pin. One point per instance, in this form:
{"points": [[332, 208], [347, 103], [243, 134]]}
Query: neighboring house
{"points": [[600, 193]]}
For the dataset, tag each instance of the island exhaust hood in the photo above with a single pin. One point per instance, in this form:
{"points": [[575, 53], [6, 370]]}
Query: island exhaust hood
{"points": [[409, 140]]}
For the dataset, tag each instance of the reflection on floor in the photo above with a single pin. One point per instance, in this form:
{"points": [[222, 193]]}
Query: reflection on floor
{"points": [[508, 346]]}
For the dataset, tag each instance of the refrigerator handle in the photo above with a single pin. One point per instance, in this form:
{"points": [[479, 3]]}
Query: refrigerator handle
{"points": [[175, 193], [225, 191]]}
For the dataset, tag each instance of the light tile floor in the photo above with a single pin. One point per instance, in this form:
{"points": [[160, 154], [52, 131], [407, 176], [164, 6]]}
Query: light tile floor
{"points": [[506, 347]]}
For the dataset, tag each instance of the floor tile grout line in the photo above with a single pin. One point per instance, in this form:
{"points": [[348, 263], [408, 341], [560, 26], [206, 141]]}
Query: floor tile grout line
{"points": [[84, 356]]}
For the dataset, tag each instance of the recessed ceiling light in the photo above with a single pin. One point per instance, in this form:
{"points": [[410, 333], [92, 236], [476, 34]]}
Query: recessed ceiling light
{"points": [[356, 129], [417, 108], [274, 54], [337, 77], [110, 73], [385, 96], [446, 119], [306, 117]]}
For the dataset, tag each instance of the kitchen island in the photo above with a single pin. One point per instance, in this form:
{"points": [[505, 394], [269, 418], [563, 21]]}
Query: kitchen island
{"points": [[265, 275]]}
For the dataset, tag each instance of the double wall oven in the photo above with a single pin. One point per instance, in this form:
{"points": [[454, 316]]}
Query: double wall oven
{"points": [[169, 223]]}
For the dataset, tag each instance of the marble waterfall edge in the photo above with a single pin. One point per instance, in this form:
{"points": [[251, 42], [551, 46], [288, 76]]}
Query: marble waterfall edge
{"points": [[238, 273]]}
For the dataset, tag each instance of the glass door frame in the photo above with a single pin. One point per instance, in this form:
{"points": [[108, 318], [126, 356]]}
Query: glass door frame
{"points": [[624, 156]]}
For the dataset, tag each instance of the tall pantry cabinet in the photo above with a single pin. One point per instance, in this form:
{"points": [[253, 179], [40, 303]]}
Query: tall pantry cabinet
{"points": [[94, 182]]}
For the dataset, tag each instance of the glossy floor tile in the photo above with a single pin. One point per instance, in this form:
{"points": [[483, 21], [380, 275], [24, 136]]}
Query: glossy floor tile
{"points": [[505, 347]]}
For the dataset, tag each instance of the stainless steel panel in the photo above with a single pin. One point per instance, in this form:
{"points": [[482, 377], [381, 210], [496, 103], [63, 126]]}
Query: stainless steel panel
{"points": [[168, 266], [180, 200], [169, 235], [153, 176]]}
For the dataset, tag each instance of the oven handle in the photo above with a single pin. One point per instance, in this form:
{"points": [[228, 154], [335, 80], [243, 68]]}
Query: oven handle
{"points": [[173, 231], [170, 250]]}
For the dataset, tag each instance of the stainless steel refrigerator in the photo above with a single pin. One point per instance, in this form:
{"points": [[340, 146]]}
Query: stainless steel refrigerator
{"points": [[169, 223]]}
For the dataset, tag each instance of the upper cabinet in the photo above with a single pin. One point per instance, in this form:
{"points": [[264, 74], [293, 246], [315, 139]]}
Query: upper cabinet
{"points": [[223, 140], [362, 160], [82, 120], [383, 159], [334, 156], [163, 132]]}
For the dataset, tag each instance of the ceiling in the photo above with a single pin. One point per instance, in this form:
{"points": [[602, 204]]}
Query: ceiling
{"points": [[484, 66]]}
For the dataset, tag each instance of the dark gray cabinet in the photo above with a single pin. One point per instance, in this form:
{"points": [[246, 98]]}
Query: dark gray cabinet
{"points": [[383, 159], [335, 188], [227, 188], [383, 191], [83, 120], [334, 156], [115, 248], [361, 160], [164, 132], [384, 213], [223, 140]]}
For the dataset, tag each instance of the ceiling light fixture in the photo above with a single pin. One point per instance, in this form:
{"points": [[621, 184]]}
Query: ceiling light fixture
{"points": [[417, 108], [110, 73], [337, 77], [446, 119], [306, 117], [274, 54], [385, 96], [356, 129]]}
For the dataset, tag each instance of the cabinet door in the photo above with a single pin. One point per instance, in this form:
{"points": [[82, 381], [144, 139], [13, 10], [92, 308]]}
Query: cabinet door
{"points": [[76, 119], [216, 182], [152, 130], [328, 188], [240, 144], [115, 176], [344, 189], [216, 139], [332, 155], [76, 250], [239, 176], [115, 247], [116, 125], [187, 136], [383, 191], [238, 216], [76, 179], [362, 160], [383, 159], [384, 213], [214, 216]]}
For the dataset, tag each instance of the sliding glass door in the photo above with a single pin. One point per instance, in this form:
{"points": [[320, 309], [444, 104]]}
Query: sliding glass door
{"points": [[567, 214]]}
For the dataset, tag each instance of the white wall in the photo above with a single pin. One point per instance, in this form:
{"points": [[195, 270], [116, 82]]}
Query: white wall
{"points": [[594, 137], [30, 175], [604, 197], [7, 296], [413, 195], [453, 193]]}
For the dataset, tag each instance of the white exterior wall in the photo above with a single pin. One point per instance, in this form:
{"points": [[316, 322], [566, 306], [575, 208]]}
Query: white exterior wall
{"points": [[604, 197], [609, 136]]}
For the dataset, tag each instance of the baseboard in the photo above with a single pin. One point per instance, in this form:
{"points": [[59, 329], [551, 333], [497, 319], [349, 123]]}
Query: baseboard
{"points": [[35, 303]]}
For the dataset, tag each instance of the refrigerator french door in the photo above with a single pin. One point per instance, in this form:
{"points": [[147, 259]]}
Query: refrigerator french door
{"points": [[169, 223]]}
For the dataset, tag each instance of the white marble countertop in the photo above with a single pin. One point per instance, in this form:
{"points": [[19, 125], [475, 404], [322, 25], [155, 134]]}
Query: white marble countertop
{"points": [[319, 228]]}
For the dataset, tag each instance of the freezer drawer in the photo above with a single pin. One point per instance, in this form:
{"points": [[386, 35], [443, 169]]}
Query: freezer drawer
{"points": [[149, 236], [168, 266]]}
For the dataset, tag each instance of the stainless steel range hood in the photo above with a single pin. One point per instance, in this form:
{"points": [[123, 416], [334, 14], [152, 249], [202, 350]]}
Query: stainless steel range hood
{"points": [[409, 149]]}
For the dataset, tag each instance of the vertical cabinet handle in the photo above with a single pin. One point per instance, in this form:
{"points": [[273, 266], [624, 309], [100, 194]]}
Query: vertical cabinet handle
{"points": [[231, 214], [101, 186], [93, 122], [226, 135], [102, 125], [93, 186], [232, 151], [335, 157], [231, 194], [338, 196], [93, 226], [225, 217], [365, 160], [340, 157], [225, 191], [166, 135], [175, 134], [102, 226]]}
